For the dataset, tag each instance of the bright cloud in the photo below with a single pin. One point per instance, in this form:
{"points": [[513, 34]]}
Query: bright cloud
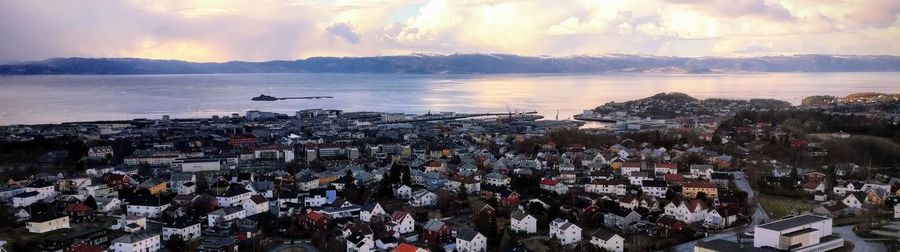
{"points": [[288, 29]]}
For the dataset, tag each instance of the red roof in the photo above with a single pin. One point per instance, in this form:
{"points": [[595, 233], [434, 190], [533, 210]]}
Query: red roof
{"points": [[700, 184], [78, 207], [667, 165], [674, 177], [398, 215], [550, 182], [85, 248], [315, 216], [406, 247]]}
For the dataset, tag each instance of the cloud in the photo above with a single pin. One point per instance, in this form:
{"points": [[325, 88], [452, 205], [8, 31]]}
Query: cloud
{"points": [[289, 29], [344, 31]]}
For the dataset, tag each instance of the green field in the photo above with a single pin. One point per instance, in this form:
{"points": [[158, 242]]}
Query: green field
{"points": [[778, 207]]}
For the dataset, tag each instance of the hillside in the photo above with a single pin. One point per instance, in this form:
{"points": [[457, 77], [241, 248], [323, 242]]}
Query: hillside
{"points": [[466, 64]]}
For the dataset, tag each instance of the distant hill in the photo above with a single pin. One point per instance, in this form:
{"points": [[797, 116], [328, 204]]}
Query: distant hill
{"points": [[466, 64]]}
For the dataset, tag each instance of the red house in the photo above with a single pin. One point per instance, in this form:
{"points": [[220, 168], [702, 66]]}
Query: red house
{"points": [[316, 220], [78, 212], [117, 181], [436, 232], [669, 225], [242, 139]]}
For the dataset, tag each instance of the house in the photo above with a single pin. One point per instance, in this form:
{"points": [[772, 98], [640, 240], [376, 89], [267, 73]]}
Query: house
{"points": [[406, 247], [468, 183], [201, 164], [468, 240], [183, 183], [371, 211], [688, 211], [800, 233], [496, 179], [187, 228], [100, 152], [436, 232], [522, 222], [234, 196], [721, 245], [701, 171], [423, 198], [876, 196], [78, 212], [669, 225], [44, 223], [606, 187], [316, 221], [655, 188], [307, 182], [721, 179], [401, 222], [154, 186], [843, 189], [814, 187], [130, 224], [833, 209], [140, 242], [223, 217], [357, 242], [629, 202], [661, 169], [854, 200], [719, 218], [34, 192], [256, 205], [637, 178], [608, 241], [554, 186], [896, 211], [565, 231], [691, 189], [629, 167], [402, 192], [620, 218], [146, 206]]}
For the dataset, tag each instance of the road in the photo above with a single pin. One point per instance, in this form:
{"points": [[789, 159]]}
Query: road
{"points": [[760, 215], [296, 247], [859, 244]]}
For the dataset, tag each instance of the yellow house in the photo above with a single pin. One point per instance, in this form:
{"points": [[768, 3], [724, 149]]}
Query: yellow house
{"points": [[691, 189], [154, 186]]}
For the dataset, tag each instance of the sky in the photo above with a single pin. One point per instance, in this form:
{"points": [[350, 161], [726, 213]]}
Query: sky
{"points": [[261, 30]]}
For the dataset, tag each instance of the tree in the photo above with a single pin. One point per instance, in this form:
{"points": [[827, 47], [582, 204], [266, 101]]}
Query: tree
{"points": [[407, 177], [90, 202], [176, 243]]}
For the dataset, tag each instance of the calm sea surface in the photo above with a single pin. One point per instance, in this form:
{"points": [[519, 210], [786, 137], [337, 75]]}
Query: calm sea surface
{"points": [[54, 99]]}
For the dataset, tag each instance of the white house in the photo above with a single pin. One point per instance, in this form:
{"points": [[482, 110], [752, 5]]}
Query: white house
{"points": [[401, 222], [896, 211], [223, 217], [565, 231], [256, 204], [187, 229], [496, 179], [637, 178], [100, 152], [719, 218], [608, 241], [371, 210], [34, 192], [554, 186], [25, 199], [801, 233], [402, 192], [150, 207], [628, 168], [201, 164], [143, 242], [422, 198], [46, 224], [234, 196], [107, 204], [687, 211], [655, 188], [468, 240], [701, 171], [522, 222], [620, 218], [854, 200], [606, 187], [308, 182]]}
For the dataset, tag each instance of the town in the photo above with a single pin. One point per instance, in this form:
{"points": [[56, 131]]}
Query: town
{"points": [[671, 173]]}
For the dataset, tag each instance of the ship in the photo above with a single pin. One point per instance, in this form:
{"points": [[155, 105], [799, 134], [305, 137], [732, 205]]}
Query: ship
{"points": [[264, 97], [590, 115]]}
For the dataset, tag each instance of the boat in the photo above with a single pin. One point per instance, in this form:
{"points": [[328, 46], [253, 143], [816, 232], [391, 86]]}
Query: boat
{"points": [[589, 115], [264, 97]]}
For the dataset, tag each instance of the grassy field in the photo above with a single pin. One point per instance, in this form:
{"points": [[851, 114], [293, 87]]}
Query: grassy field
{"points": [[778, 207]]}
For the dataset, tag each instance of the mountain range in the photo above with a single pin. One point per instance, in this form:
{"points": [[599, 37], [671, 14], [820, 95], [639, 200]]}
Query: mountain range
{"points": [[467, 64]]}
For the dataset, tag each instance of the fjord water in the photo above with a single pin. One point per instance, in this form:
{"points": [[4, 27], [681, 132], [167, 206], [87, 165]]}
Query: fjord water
{"points": [[66, 98]]}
